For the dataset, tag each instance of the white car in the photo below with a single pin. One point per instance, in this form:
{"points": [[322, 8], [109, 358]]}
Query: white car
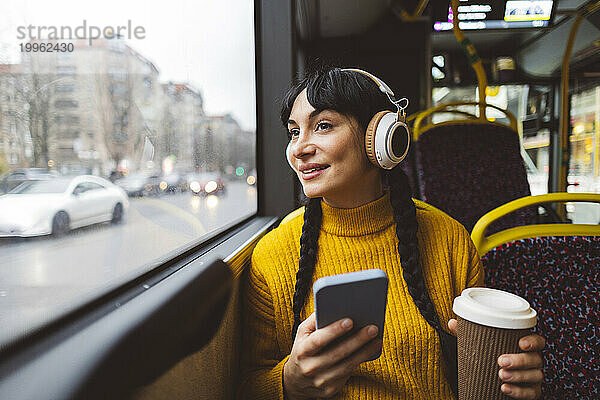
{"points": [[56, 206]]}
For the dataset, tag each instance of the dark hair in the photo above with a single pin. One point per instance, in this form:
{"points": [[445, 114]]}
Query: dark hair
{"points": [[353, 94]]}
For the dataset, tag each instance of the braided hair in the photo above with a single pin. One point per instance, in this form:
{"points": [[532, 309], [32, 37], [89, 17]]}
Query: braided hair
{"points": [[353, 94], [308, 256]]}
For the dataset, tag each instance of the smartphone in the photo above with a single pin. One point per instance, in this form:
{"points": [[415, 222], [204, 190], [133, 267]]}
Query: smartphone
{"points": [[360, 296]]}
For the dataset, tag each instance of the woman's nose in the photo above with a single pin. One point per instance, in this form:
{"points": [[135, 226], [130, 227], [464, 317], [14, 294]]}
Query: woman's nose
{"points": [[302, 146]]}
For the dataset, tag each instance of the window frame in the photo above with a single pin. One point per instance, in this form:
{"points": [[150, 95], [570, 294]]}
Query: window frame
{"points": [[84, 342], [25, 359]]}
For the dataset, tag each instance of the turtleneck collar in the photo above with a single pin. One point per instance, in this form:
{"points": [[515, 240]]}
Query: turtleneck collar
{"points": [[363, 220]]}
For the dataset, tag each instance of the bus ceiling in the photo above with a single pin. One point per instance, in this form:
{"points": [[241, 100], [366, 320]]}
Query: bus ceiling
{"points": [[537, 56], [534, 49]]}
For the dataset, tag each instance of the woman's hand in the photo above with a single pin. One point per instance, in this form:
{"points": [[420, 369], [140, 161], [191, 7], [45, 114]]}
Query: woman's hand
{"points": [[315, 370], [521, 373]]}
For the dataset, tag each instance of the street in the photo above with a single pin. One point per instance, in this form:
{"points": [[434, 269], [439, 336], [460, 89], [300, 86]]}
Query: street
{"points": [[41, 278]]}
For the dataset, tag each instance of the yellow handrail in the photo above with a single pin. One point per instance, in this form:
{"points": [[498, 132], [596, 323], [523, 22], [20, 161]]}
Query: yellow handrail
{"points": [[472, 56], [485, 244], [418, 11], [292, 215], [466, 114], [564, 95], [418, 117]]}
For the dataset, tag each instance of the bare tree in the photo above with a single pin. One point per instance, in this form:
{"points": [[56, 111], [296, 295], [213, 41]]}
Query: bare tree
{"points": [[121, 122], [34, 91], [168, 144], [3, 165]]}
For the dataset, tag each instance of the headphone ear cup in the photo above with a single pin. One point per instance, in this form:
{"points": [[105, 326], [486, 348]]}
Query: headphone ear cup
{"points": [[370, 137], [401, 140]]}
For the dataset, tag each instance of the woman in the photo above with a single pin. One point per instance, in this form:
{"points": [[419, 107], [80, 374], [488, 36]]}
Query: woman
{"points": [[359, 217]]}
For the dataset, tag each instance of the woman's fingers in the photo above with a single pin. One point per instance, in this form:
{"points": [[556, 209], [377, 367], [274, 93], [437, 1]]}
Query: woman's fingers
{"points": [[520, 361], [346, 348], [344, 368], [324, 373], [309, 362], [320, 338], [531, 376], [523, 370], [308, 326], [453, 325], [532, 343], [522, 392]]}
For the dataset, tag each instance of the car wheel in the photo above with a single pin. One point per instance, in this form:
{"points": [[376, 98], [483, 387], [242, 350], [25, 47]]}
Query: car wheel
{"points": [[117, 215], [60, 224]]}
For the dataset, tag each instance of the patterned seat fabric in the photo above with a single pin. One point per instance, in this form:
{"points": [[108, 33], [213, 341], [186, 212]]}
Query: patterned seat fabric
{"points": [[560, 277], [467, 170], [407, 165]]}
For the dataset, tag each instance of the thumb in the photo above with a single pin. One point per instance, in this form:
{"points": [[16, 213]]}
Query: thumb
{"points": [[308, 326], [453, 325]]}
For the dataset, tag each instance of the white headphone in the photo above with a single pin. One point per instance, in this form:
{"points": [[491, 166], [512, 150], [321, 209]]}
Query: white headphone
{"points": [[387, 138], [386, 145]]}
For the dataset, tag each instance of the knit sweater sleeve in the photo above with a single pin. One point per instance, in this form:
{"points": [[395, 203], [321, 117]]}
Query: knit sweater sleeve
{"points": [[262, 363], [476, 275]]}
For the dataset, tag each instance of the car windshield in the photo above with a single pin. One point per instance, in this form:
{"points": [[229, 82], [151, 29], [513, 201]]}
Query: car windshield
{"points": [[37, 187]]}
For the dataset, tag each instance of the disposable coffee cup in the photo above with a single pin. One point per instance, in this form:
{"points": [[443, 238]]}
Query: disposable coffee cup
{"points": [[490, 323]]}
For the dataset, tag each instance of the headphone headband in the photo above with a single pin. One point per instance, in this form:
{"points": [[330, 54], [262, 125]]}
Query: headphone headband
{"points": [[381, 84], [385, 89]]}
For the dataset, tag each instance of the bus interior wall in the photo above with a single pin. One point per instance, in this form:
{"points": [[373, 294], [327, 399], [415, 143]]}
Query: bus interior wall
{"points": [[395, 52]]}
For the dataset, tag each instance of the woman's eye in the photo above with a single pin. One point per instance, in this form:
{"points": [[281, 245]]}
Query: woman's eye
{"points": [[324, 126]]}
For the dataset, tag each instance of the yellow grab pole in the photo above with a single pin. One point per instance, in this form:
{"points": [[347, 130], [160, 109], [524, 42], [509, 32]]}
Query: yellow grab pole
{"points": [[414, 16], [473, 58], [564, 97], [564, 108]]}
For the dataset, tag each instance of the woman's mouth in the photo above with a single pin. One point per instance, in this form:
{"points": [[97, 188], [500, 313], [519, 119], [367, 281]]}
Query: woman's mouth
{"points": [[313, 173]]}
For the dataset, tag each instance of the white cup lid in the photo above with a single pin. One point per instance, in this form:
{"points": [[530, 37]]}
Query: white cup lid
{"points": [[495, 308]]}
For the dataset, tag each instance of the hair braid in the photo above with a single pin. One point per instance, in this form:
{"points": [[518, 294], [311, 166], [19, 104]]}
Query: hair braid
{"points": [[308, 256], [405, 216]]}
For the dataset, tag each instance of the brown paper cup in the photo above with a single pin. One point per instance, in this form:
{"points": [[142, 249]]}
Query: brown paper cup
{"points": [[478, 350], [490, 323]]}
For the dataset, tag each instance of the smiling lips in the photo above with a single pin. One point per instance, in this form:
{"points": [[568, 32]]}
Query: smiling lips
{"points": [[308, 171], [311, 171], [310, 166]]}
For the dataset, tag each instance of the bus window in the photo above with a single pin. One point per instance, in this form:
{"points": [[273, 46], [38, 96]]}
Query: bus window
{"points": [[528, 103], [152, 104], [584, 162]]}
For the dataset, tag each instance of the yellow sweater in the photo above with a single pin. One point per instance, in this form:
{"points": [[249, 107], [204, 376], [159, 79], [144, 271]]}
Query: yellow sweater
{"points": [[411, 365]]}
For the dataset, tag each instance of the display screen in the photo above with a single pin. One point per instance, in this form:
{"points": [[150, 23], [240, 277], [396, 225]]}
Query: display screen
{"points": [[490, 14]]}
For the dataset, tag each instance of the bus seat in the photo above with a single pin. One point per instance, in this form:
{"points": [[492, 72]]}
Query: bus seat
{"points": [[408, 165], [150, 333], [211, 372], [468, 167], [556, 267], [292, 215]]}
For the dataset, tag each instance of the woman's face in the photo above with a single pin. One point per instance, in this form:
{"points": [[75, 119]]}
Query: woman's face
{"points": [[333, 143]]}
